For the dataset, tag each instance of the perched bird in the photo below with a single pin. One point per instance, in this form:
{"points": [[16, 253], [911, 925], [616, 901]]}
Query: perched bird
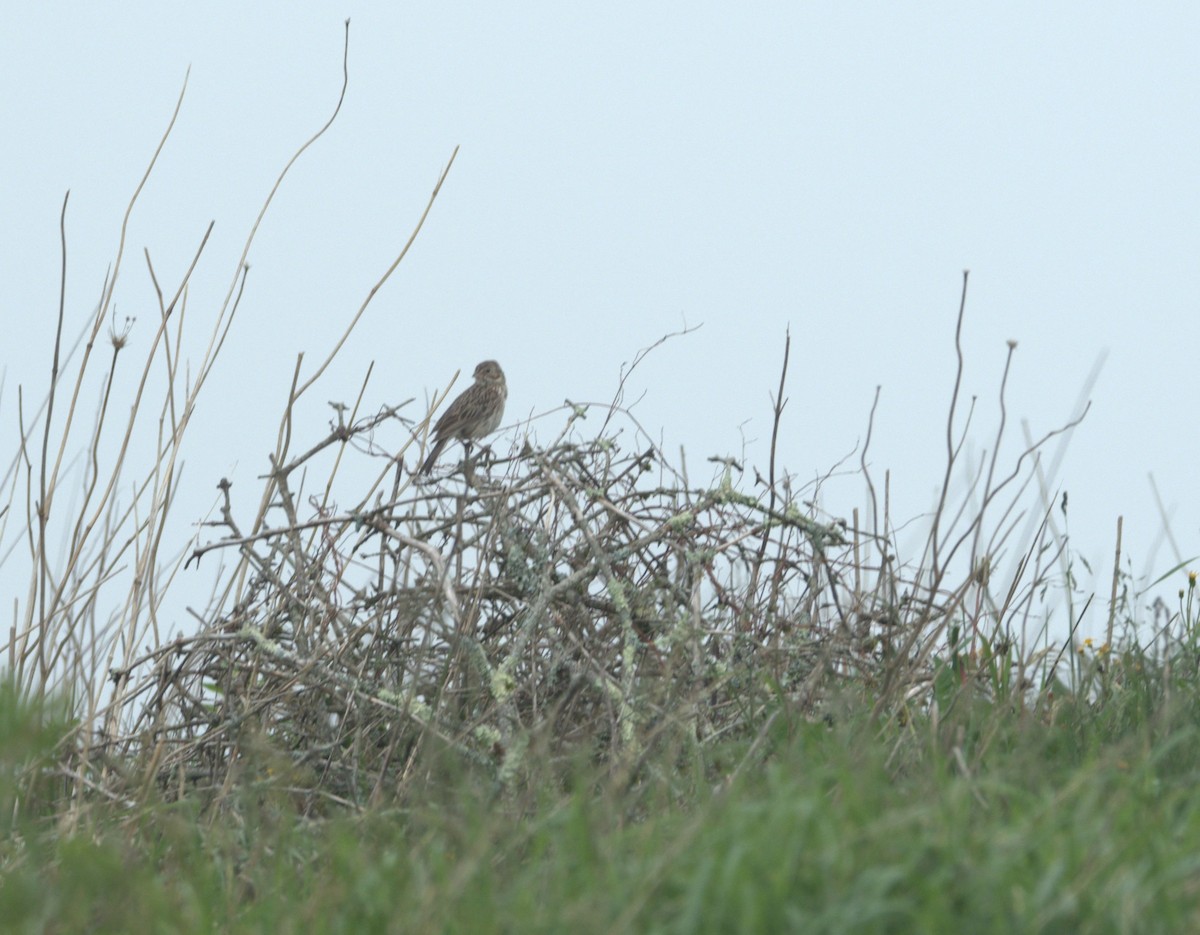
{"points": [[474, 414]]}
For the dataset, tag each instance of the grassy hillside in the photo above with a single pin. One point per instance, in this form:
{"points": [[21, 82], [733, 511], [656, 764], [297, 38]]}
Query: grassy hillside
{"points": [[1075, 815]]}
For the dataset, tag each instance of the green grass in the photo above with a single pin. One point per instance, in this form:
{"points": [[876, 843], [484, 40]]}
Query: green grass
{"points": [[1082, 817]]}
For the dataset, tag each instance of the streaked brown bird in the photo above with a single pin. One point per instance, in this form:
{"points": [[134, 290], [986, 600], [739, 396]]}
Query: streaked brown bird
{"points": [[476, 412]]}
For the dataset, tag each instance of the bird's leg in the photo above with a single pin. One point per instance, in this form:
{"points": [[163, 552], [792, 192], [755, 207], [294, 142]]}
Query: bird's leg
{"points": [[468, 471]]}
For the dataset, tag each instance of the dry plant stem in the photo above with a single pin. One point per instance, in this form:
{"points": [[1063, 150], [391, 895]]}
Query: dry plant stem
{"points": [[929, 640], [344, 435], [987, 484], [950, 448], [86, 571], [168, 359], [941, 549], [43, 510], [82, 532], [617, 403], [1116, 577], [866, 472], [221, 328], [1165, 518], [161, 500], [777, 404], [46, 607], [102, 311], [438, 563], [165, 473], [1032, 552], [322, 521], [224, 322], [981, 568], [1067, 644], [271, 488], [10, 478], [999, 488], [284, 440], [383, 279], [1082, 402], [422, 429]]}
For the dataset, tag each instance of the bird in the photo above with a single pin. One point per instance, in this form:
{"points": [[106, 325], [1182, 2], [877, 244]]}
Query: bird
{"points": [[475, 414]]}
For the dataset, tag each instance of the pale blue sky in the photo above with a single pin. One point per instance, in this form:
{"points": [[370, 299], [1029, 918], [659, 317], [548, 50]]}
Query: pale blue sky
{"points": [[629, 167]]}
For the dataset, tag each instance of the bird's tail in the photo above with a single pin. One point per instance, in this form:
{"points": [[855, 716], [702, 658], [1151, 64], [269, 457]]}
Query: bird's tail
{"points": [[433, 455]]}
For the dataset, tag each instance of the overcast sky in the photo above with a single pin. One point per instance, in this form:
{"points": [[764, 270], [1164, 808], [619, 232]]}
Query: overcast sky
{"points": [[627, 169]]}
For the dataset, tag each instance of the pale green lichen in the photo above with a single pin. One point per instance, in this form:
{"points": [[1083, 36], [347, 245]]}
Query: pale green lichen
{"points": [[681, 521], [514, 756], [502, 684], [616, 590]]}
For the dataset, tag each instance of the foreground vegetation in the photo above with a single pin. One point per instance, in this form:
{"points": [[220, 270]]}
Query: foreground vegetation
{"points": [[1080, 815]]}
